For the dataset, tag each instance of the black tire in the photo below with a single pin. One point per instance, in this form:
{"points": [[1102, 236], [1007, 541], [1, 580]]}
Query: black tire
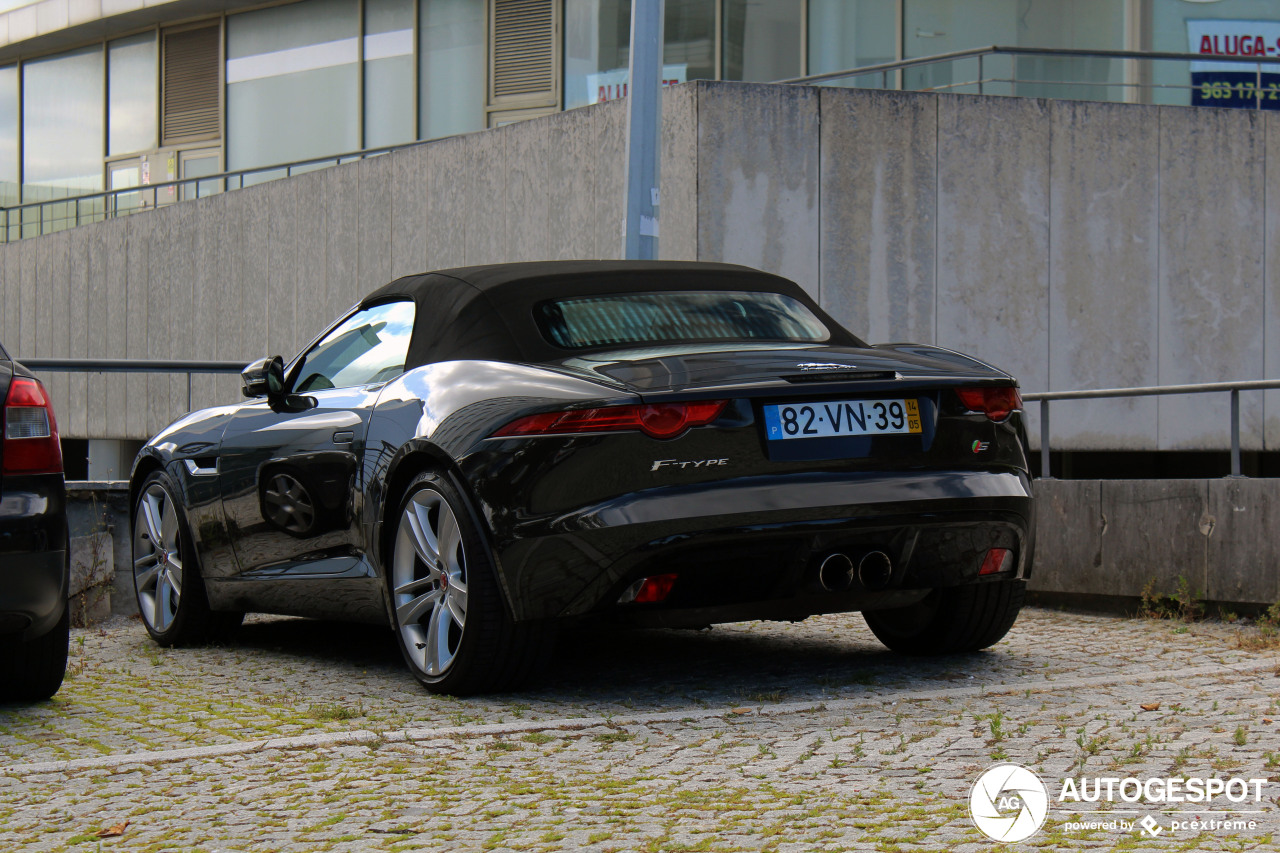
{"points": [[32, 670], [952, 620], [487, 651], [174, 613]]}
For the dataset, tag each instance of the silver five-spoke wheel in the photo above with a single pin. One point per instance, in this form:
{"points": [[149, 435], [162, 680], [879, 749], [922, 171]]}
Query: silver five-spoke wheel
{"points": [[157, 563], [429, 581]]}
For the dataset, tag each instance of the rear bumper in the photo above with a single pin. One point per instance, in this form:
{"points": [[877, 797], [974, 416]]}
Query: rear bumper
{"points": [[750, 546], [33, 592], [34, 564]]}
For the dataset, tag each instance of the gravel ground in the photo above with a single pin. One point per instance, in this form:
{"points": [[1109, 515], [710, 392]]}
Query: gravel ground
{"points": [[305, 736]]}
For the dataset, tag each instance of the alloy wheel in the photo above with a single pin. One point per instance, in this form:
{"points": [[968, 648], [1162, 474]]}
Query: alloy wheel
{"points": [[429, 582], [157, 565]]}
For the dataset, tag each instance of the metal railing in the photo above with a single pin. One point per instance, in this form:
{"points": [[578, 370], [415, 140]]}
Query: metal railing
{"points": [[1234, 388], [981, 82], [37, 218], [133, 365]]}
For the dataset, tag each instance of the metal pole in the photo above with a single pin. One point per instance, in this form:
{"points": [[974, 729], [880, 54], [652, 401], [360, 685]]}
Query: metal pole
{"points": [[644, 113], [188, 390], [980, 74], [1044, 439], [1235, 432]]}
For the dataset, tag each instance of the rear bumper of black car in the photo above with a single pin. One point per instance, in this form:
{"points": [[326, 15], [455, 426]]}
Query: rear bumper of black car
{"points": [[748, 549], [34, 565]]}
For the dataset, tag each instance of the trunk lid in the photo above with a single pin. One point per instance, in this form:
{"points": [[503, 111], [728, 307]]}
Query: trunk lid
{"points": [[747, 370]]}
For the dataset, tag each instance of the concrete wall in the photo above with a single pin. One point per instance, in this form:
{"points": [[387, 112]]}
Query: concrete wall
{"points": [[1079, 245], [1114, 537]]}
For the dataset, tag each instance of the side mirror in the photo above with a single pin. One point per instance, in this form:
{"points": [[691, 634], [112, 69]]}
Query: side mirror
{"points": [[264, 378]]}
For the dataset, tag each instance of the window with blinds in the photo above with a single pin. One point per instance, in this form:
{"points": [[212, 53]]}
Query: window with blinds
{"points": [[190, 105], [524, 65]]}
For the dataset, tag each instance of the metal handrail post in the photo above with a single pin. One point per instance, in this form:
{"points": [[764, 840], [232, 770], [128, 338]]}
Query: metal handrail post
{"points": [[980, 75], [1235, 432], [1044, 439], [188, 390]]}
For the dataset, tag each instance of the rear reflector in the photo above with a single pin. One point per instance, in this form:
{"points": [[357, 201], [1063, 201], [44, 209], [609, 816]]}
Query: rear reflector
{"points": [[648, 590], [30, 431], [997, 560], [657, 420], [996, 402]]}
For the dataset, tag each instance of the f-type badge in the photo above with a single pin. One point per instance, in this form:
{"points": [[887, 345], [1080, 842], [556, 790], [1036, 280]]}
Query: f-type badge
{"points": [[692, 463], [825, 365]]}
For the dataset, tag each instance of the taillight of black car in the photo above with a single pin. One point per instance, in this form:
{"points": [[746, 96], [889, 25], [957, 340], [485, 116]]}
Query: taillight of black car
{"points": [[997, 402], [30, 431], [656, 420]]}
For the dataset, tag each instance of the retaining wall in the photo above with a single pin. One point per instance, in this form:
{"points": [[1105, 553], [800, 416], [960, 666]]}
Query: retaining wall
{"points": [[1076, 244]]}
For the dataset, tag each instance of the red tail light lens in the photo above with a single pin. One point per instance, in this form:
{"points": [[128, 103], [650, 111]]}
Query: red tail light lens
{"points": [[997, 560], [997, 403], [30, 431], [657, 420], [649, 590]]}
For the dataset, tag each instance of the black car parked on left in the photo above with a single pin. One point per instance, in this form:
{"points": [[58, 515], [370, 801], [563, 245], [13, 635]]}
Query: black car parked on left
{"points": [[34, 558]]}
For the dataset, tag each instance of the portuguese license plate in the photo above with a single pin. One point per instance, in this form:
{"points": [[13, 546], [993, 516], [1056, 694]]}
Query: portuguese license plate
{"points": [[842, 418]]}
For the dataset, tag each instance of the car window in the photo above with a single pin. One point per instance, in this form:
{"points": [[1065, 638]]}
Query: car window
{"points": [[369, 346], [677, 317]]}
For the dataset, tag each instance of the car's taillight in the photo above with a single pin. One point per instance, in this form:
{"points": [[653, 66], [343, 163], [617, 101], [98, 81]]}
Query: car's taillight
{"points": [[997, 560], [659, 420], [996, 402], [30, 431]]}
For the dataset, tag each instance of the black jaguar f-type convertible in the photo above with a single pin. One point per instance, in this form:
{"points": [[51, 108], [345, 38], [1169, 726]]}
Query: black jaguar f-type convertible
{"points": [[475, 456]]}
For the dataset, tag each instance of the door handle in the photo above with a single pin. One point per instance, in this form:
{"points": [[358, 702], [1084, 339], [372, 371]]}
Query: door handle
{"points": [[343, 437]]}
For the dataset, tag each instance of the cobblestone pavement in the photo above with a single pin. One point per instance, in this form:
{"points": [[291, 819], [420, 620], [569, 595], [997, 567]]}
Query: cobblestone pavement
{"points": [[308, 736]]}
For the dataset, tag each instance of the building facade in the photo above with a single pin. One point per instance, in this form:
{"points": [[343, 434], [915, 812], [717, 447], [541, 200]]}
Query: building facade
{"points": [[109, 94]]}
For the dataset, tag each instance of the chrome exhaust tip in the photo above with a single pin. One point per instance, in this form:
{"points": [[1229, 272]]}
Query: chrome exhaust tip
{"points": [[875, 570], [835, 573]]}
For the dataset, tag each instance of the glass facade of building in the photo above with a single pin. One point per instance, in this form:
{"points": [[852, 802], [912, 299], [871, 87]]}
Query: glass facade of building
{"points": [[292, 83], [10, 192], [388, 73], [764, 40], [62, 119], [132, 71], [451, 67], [318, 78], [931, 27]]}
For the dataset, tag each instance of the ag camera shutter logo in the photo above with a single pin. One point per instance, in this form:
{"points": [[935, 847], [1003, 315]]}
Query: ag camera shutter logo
{"points": [[1009, 803]]}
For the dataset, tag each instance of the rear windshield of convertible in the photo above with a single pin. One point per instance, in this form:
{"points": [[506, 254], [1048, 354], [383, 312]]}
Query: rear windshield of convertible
{"points": [[677, 317]]}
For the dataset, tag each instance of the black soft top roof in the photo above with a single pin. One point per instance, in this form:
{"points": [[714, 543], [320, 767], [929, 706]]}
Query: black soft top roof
{"points": [[486, 312]]}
